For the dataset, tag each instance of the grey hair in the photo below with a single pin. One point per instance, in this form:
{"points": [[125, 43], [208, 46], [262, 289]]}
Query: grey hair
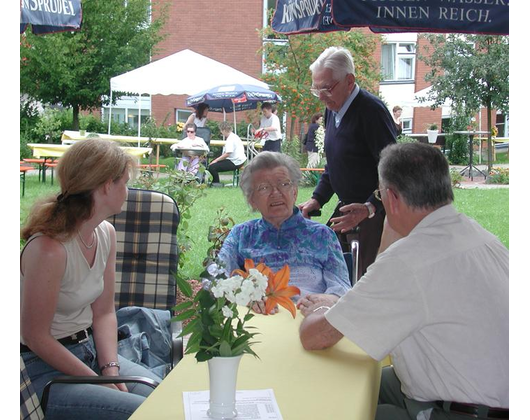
{"points": [[338, 59], [418, 172], [225, 126], [269, 160]]}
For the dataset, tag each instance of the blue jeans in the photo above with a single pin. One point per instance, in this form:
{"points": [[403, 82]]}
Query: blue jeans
{"points": [[87, 402]]}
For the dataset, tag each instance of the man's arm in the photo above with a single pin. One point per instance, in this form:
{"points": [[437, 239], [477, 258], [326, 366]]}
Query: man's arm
{"points": [[316, 333]]}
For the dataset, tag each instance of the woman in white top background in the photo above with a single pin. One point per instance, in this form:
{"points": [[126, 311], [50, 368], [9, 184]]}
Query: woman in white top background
{"points": [[67, 268], [232, 157], [200, 116]]}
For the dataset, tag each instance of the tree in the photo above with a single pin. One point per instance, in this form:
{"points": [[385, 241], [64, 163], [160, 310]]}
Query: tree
{"points": [[74, 68], [288, 59], [472, 71]]}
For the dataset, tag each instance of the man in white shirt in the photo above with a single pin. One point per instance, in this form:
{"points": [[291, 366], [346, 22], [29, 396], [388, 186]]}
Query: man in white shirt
{"points": [[270, 129], [436, 300], [232, 157]]}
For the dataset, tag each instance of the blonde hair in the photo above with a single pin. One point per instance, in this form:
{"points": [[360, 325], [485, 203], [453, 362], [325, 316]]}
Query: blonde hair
{"points": [[86, 166]]}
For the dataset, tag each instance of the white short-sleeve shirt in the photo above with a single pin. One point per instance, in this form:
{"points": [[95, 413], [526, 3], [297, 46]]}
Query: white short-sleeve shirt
{"points": [[437, 301]]}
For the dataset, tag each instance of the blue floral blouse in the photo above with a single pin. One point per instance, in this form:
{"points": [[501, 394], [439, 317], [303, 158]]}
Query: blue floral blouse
{"points": [[311, 249]]}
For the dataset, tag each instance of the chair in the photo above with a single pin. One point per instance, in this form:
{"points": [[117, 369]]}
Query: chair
{"points": [[33, 409], [147, 255]]}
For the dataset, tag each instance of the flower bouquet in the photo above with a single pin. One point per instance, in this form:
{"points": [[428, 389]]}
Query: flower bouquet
{"points": [[216, 327]]}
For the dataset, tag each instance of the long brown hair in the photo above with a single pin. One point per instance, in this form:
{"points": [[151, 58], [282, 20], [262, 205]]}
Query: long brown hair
{"points": [[85, 166]]}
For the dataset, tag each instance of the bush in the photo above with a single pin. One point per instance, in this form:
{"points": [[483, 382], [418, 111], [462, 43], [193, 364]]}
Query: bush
{"points": [[499, 176], [456, 178], [403, 138]]}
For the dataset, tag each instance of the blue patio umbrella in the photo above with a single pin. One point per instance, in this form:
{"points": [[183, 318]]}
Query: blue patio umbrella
{"points": [[233, 97], [299, 17], [50, 16]]}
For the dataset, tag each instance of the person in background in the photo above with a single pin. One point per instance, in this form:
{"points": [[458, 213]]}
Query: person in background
{"points": [[358, 127], [191, 159], [282, 235], [270, 129], [309, 141], [436, 300], [67, 317], [232, 157], [200, 116], [396, 115]]}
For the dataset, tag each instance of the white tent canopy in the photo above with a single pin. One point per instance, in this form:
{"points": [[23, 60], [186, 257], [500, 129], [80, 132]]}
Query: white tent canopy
{"points": [[182, 73]]}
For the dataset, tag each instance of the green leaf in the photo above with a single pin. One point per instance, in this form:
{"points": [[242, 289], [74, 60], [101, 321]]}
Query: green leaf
{"points": [[182, 306], [191, 327], [184, 315], [184, 287], [225, 350], [202, 356]]}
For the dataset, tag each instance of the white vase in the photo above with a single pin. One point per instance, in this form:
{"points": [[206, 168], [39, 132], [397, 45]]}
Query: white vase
{"points": [[432, 135], [223, 378]]}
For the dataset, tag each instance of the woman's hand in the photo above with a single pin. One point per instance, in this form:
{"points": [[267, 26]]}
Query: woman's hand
{"points": [[114, 371], [259, 308]]}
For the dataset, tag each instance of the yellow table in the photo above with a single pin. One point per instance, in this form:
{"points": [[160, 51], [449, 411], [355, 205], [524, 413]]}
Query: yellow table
{"points": [[337, 383], [57, 150]]}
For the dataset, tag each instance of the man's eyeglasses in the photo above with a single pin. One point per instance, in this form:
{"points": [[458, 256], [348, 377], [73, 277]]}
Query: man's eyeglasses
{"points": [[324, 92], [190, 131], [377, 194], [266, 189]]}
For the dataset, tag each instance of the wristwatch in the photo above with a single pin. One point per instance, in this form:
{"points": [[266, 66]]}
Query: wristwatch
{"points": [[371, 210]]}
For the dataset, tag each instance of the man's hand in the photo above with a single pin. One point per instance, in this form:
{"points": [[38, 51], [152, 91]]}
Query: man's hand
{"points": [[308, 207], [309, 303], [353, 214]]}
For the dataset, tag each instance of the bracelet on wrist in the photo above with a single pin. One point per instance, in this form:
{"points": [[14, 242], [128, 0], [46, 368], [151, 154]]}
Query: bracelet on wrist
{"points": [[109, 365]]}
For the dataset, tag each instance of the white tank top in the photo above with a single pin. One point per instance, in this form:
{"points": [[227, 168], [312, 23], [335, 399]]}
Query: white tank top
{"points": [[81, 285]]}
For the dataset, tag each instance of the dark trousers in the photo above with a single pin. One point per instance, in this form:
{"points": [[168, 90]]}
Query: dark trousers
{"points": [[224, 165], [272, 146], [368, 233], [394, 405]]}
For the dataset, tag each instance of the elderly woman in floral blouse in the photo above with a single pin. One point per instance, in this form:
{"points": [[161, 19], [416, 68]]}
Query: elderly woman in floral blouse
{"points": [[283, 236]]}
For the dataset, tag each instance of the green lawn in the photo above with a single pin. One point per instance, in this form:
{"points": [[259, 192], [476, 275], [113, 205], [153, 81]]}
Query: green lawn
{"points": [[489, 207]]}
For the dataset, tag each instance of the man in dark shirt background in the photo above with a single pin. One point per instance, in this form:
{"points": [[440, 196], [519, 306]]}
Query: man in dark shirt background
{"points": [[358, 127]]}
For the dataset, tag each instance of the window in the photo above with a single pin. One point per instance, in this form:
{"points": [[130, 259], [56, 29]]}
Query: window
{"points": [[407, 125], [398, 61], [181, 115]]}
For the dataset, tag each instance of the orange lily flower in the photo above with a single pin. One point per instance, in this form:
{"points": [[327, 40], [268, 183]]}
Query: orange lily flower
{"points": [[278, 290]]}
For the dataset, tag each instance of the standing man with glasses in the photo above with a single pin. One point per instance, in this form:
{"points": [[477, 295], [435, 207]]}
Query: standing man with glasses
{"points": [[358, 126]]}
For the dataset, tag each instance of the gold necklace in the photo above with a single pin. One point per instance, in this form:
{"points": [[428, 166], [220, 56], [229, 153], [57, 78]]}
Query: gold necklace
{"points": [[84, 243]]}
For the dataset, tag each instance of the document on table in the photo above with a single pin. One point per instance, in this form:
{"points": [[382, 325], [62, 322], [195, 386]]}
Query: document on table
{"points": [[257, 404]]}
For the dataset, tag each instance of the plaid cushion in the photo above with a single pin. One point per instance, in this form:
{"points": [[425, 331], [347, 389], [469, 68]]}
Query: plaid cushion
{"points": [[29, 402], [146, 253]]}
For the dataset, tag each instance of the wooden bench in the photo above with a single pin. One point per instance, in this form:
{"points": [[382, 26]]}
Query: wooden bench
{"points": [[23, 169], [150, 168], [52, 166], [315, 172]]}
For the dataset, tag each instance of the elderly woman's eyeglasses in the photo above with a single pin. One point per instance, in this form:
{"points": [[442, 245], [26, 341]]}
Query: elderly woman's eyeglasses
{"points": [[377, 194], [266, 189], [324, 92]]}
